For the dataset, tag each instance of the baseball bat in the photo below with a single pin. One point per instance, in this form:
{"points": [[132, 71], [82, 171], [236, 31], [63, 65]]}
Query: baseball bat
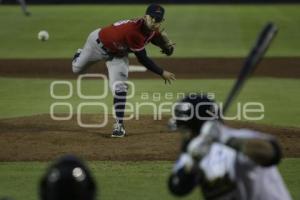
{"points": [[254, 57]]}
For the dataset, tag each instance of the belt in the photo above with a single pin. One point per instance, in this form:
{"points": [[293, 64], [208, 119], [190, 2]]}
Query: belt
{"points": [[102, 47]]}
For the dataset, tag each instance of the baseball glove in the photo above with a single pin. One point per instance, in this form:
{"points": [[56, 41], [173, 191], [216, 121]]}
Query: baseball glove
{"points": [[161, 40]]}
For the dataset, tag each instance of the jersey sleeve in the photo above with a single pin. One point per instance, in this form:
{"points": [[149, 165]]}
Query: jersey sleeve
{"points": [[135, 41], [243, 160], [227, 132], [155, 39]]}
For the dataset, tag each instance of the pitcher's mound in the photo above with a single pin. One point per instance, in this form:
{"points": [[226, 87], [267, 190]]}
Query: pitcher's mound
{"points": [[41, 138]]}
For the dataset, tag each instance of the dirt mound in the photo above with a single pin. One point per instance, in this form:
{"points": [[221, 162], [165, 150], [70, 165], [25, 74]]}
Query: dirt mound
{"points": [[41, 138]]}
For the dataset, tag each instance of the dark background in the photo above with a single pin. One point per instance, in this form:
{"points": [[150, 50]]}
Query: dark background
{"points": [[149, 1]]}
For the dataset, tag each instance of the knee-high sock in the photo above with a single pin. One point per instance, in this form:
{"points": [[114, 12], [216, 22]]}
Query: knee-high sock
{"points": [[119, 105]]}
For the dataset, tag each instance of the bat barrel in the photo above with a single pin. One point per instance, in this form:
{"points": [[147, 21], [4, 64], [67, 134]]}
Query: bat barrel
{"points": [[254, 57]]}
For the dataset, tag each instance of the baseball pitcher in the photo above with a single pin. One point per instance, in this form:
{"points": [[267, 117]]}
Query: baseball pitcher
{"points": [[227, 164], [113, 44]]}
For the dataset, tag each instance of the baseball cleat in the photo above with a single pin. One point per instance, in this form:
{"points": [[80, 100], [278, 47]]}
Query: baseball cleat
{"points": [[118, 130]]}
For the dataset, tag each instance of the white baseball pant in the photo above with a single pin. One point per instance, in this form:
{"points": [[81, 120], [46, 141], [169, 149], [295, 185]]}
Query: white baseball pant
{"points": [[93, 52]]}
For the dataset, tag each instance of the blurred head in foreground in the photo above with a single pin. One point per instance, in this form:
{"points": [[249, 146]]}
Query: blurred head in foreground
{"points": [[190, 113], [68, 178]]}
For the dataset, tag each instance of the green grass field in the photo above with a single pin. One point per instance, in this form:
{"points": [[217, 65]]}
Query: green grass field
{"points": [[23, 97], [198, 31], [129, 180]]}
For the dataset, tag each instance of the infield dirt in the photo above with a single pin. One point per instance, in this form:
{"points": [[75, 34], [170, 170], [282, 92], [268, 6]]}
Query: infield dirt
{"points": [[41, 138]]}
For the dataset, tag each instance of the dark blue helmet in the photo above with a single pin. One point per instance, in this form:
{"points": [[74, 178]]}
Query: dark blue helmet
{"points": [[68, 179], [193, 110], [156, 11]]}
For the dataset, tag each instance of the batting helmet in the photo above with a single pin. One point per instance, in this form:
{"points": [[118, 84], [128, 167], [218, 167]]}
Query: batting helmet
{"points": [[67, 179], [192, 111]]}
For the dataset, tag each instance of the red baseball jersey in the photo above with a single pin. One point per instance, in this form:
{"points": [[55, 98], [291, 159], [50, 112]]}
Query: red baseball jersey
{"points": [[125, 36]]}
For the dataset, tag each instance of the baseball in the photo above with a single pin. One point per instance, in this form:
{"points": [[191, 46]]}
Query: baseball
{"points": [[43, 35]]}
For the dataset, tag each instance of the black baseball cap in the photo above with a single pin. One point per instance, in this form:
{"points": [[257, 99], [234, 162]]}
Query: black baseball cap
{"points": [[156, 11]]}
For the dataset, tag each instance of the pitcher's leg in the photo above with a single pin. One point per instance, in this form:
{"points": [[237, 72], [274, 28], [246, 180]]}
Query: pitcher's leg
{"points": [[87, 56], [81, 60], [118, 75], [24, 7]]}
